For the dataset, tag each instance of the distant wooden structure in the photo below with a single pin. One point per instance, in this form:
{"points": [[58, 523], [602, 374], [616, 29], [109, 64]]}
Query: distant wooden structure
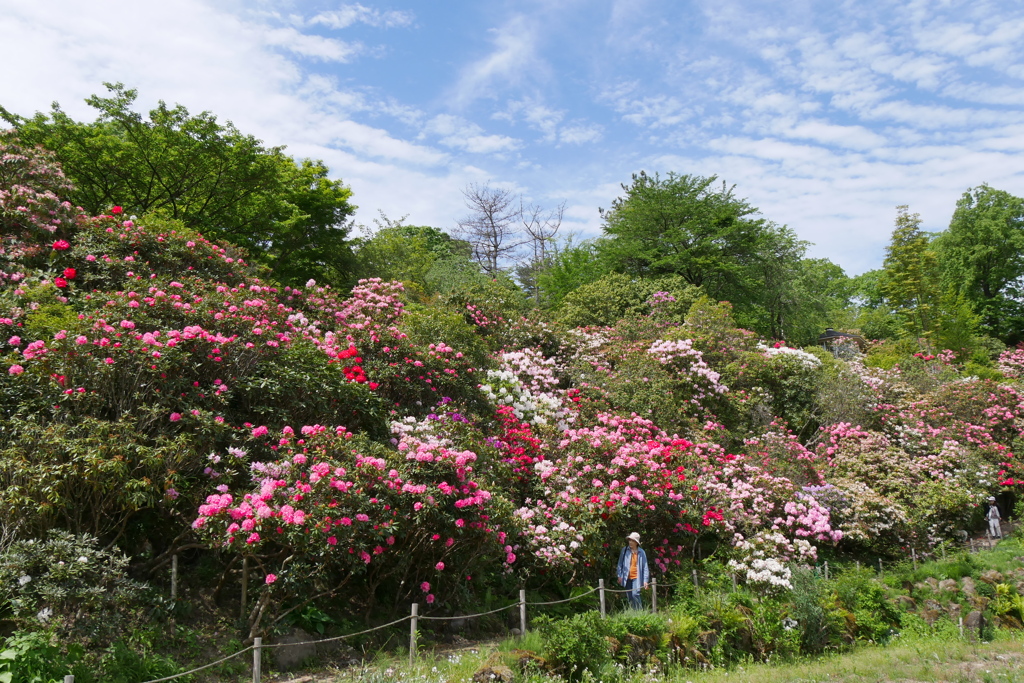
{"points": [[838, 342]]}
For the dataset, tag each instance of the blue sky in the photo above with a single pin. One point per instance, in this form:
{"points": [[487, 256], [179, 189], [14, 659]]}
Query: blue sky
{"points": [[825, 115]]}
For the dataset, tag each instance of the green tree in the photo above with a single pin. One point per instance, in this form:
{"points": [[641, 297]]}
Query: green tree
{"points": [[684, 225], [693, 227], [412, 254], [206, 174], [572, 266], [910, 279], [982, 257]]}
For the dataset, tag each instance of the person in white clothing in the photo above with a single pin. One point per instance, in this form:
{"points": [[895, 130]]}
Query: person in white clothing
{"points": [[995, 528]]}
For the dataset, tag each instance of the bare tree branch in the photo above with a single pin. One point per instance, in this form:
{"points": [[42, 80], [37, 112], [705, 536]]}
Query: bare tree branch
{"points": [[493, 226]]}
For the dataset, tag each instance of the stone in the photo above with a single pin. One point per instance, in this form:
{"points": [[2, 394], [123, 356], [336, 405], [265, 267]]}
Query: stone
{"points": [[293, 656], [968, 586], [933, 606], [954, 610], [933, 582], [529, 662], [929, 616], [974, 620], [906, 602], [948, 585], [496, 673], [991, 576]]}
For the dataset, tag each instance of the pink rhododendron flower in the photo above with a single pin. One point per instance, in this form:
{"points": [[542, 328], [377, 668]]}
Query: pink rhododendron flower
{"points": [[175, 417], [271, 578]]}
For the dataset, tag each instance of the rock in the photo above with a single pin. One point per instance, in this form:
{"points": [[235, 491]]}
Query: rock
{"points": [[292, 657], [933, 582], [497, 673], [991, 576], [456, 625], [974, 620], [529, 662], [906, 602], [1020, 588], [954, 610], [968, 587], [929, 616], [933, 606], [948, 585]]}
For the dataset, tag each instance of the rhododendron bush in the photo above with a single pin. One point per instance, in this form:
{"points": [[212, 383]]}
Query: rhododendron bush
{"points": [[336, 511], [158, 389]]}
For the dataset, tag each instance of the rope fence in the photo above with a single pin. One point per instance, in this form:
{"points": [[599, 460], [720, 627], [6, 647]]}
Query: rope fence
{"points": [[414, 617]]}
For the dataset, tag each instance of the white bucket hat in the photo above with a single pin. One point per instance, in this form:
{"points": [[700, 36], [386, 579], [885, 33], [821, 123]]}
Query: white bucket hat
{"points": [[634, 537]]}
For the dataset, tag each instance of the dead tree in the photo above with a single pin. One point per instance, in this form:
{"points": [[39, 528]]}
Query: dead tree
{"points": [[493, 227]]}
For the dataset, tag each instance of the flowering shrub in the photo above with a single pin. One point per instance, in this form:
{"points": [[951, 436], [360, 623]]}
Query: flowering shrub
{"points": [[67, 583], [31, 206], [332, 509]]}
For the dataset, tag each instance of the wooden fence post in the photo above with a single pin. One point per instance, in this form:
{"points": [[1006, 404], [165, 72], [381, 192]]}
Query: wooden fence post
{"points": [[696, 585], [913, 555], [174, 577], [522, 613], [69, 679], [412, 632], [600, 589], [654, 595], [257, 659], [733, 576]]}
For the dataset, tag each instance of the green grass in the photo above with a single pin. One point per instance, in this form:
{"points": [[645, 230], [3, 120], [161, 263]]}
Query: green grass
{"points": [[926, 660]]}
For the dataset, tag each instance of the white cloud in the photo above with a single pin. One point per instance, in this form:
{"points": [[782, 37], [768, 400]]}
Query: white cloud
{"points": [[512, 59], [580, 133], [315, 47], [458, 133], [359, 14]]}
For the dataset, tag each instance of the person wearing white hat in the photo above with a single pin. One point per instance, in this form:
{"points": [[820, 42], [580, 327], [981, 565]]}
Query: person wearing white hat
{"points": [[995, 528], [632, 569]]}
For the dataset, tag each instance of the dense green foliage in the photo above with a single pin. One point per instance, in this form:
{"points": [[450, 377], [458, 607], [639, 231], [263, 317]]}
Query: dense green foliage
{"points": [[442, 435], [208, 175]]}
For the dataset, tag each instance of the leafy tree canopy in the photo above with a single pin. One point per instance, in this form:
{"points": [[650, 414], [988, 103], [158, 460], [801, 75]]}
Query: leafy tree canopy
{"points": [[982, 257], [413, 254], [206, 174]]}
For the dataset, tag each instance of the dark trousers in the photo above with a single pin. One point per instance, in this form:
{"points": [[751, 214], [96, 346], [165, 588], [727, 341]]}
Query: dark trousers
{"points": [[634, 598]]}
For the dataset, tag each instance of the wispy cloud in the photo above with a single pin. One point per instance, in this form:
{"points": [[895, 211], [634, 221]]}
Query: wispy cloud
{"points": [[348, 15], [458, 133], [312, 46], [512, 60]]}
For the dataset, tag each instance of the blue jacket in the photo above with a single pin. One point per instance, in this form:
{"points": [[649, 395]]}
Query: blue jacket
{"points": [[643, 574]]}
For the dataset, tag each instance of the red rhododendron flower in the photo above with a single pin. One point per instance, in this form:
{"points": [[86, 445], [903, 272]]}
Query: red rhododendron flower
{"points": [[116, 210], [60, 282], [61, 245], [70, 273]]}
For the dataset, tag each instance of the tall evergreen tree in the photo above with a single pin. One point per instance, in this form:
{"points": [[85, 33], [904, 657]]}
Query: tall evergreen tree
{"points": [[910, 280]]}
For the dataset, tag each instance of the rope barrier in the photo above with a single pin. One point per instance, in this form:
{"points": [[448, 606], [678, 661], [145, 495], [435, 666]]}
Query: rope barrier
{"points": [[388, 625], [575, 597], [204, 666], [472, 616], [332, 639]]}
